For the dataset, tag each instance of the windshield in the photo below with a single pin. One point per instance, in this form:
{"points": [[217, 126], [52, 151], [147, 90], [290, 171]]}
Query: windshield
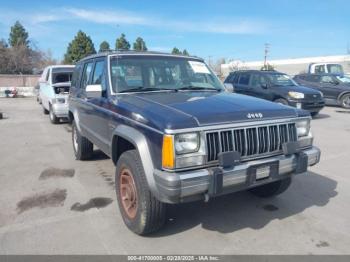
{"points": [[343, 79], [335, 69], [280, 80], [148, 73]]}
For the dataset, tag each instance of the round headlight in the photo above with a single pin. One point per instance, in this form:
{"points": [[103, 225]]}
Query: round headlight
{"points": [[186, 143]]}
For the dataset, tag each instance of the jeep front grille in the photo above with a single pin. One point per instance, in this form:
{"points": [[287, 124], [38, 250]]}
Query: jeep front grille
{"points": [[250, 141]]}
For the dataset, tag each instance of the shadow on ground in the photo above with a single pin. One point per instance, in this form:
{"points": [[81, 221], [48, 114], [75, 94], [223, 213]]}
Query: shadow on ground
{"points": [[98, 155], [320, 116], [227, 214]]}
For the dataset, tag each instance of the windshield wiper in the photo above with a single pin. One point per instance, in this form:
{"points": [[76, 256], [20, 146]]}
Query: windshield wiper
{"points": [[197, 88], [141, 89]]}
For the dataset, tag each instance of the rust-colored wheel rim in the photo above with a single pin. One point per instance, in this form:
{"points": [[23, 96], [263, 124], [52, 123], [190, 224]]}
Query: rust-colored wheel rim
{"points": [[128, 193]]}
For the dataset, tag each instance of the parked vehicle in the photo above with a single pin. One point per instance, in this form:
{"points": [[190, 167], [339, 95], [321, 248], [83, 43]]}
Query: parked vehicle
{"points": [[326, 68], [336, 89], [175, 135], [277, 87], [54, 85]]}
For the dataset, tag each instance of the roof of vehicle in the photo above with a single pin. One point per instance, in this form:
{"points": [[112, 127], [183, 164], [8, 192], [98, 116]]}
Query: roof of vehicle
{"points": [[132, 52], [60, 66], [257, 71], [319, 74]]}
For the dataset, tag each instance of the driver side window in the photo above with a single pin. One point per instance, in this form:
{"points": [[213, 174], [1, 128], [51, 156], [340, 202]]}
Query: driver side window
{"points": [[327, 79]]}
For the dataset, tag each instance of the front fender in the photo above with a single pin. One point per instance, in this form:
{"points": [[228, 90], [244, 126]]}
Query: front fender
{"points": [[140, 142]]}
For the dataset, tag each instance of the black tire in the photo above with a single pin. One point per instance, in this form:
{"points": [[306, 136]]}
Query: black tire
{"points": [[313, 114], [272, 189], [149, 214], [82, 147], [53, 118], [345, 101], [281, 101], [45, 111]]}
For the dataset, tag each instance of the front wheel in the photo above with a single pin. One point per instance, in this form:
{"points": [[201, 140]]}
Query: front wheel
{"points": [[272, 189], [82, 147], [141, 211], [345, 101]]}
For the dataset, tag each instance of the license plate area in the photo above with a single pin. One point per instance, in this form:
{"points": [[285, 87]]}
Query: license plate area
{"points": [[263, 171]]}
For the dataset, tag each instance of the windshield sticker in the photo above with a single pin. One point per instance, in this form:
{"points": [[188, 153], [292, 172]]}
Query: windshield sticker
{"points": [[199, 67]]}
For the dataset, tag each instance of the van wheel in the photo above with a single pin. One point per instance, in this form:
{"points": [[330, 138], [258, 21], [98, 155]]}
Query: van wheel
{"points": [[82, 147], [45, 111], [53, 118], [272, 189], [141, 211], [345, 101], [281, 101]]}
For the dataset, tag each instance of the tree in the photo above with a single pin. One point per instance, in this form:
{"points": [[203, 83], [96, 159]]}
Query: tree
{"points": [[121, 43], [18, 35], [176, 51], [104, 46], [80, 47], [140, 45], [267, 67], [184, 52]]}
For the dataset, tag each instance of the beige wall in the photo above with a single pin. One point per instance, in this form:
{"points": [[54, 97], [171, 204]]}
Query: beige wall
{"points": [[18, 80]]}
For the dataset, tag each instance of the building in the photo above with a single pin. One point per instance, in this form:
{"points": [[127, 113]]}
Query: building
{"points": [[291, 66]]}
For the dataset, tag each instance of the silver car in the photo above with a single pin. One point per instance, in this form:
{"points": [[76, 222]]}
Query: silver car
{"points": [[54, 84]]}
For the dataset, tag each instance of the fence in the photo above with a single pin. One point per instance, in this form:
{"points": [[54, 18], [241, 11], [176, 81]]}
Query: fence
{"points": [[23, 83], [18, 80]]}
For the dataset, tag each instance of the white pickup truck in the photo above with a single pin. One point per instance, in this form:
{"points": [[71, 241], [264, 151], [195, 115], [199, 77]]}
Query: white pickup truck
{"points": [[326, 68], [54, 85]]}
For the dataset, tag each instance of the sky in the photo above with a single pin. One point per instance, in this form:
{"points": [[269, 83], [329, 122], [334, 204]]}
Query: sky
{"points": [[209, 29]]}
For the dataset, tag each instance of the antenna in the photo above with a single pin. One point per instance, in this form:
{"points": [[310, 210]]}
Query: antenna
{"points": [[266, 52]]}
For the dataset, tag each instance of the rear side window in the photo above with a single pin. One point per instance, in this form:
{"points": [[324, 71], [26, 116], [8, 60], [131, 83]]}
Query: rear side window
{"points": [[76, 75], [320, 69], [244, 79], [313, 78], [47, 75], [86, 74]]}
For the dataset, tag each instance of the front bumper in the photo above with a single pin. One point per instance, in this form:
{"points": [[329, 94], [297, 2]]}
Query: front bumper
{"points": [[312, 106], [194, 185], [60, 109]]}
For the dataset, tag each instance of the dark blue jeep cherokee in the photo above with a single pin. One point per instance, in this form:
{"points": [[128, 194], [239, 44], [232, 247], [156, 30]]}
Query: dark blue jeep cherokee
{"points": [[176, 135]]}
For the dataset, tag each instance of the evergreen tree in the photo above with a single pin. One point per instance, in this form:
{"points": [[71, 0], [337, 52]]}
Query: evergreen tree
{"points": [[80, 47], [184, 52], [18, 35], [121, 43], [176, 51], [104, 46], [140, 45]]}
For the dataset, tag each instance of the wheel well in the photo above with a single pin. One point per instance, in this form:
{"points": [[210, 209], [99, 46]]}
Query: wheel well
{"points": [[343, 94], [119, 146], [70, 117]]}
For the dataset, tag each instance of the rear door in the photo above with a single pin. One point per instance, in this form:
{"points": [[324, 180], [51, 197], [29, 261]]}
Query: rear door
{"points": [[83, 107], [242, 85]]}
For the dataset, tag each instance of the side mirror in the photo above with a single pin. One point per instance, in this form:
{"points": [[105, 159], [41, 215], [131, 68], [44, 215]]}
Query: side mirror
{"points": [[229, 87], [93, 91], [264, 86]]}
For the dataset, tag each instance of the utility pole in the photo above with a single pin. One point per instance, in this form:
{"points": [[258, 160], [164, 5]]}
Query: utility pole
{"points": [[267, 49]]}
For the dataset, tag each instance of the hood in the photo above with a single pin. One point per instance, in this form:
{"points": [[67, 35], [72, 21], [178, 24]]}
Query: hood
{"points": [[300, 88], [174, 110], [61, 84]]}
